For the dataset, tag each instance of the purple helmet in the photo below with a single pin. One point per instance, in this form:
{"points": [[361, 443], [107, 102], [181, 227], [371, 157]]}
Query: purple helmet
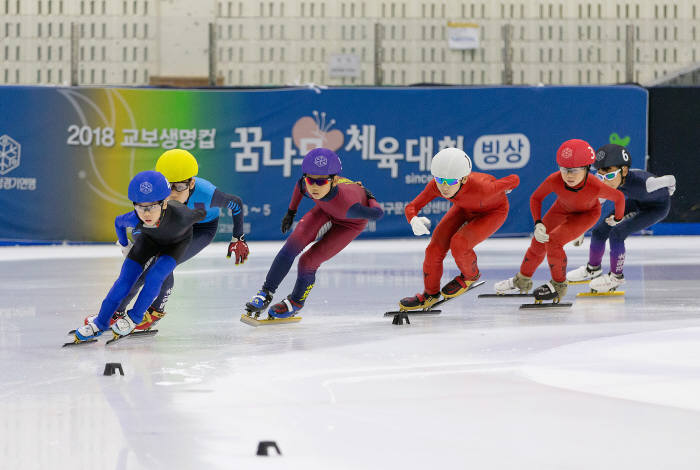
{"points": [[320, 161]]}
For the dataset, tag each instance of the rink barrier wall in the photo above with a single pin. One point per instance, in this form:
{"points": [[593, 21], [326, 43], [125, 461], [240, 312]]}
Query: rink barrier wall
{"points": [[67, 154], [674, 148]]}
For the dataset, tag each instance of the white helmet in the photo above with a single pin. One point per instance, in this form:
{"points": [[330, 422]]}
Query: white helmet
{"points": [[451, 163]]}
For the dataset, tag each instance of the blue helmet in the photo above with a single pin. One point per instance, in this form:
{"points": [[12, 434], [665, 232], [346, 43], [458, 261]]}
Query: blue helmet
{"points": [[148, 186], [320, 161]]}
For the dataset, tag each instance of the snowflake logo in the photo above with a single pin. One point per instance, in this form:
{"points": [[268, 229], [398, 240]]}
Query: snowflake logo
{"points": [[567, 153], [10, 151], [320, 161], [146, 188], [600, 155]]}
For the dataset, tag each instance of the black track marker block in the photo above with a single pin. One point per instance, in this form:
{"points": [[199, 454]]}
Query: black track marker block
{"points": [[111, 368], [264, 446], [400, 318]]}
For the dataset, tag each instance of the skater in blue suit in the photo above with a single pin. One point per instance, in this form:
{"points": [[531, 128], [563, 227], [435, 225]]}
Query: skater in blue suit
{"points": [[647, 201]]}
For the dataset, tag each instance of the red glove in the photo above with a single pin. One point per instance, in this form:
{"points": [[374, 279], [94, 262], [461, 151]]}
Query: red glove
{"points": [[240, 247]]}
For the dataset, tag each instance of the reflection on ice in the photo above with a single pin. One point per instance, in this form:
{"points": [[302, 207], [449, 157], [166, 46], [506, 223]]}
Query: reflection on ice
{"points": [[482, 385]]}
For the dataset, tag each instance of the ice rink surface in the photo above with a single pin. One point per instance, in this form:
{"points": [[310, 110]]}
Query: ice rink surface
{"points": [[613, 383]]}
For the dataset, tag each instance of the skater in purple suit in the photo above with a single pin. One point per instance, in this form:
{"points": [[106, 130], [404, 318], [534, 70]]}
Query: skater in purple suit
{"points": [[344, 204]]}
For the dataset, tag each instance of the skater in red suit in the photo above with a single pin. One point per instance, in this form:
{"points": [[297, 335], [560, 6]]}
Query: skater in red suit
{"points": [[575, 210], [480, 207]]}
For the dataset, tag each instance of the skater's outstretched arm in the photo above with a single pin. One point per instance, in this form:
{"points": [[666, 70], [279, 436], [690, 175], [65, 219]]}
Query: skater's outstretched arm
{"points": [[614, 195], [121, 222], [428, 194], [297, 195], [542, 191], [233, 202], [658, 182], [359, 211], [501, 185]]}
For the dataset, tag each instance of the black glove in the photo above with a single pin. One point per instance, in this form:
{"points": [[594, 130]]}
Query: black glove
{"points": [[287, 220], [369, 194]]}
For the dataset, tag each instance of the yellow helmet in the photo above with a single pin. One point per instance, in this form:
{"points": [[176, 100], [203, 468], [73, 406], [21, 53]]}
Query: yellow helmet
{"points": [[177, 165]]}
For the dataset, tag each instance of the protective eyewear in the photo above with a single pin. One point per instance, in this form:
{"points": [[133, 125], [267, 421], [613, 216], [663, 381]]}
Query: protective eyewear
{"points": [[147, 207], [608, 176], [317, 181], [180, 186], [572, 170], [447, 181]]}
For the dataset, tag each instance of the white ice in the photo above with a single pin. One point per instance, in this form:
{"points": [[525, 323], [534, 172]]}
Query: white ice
{"points": [[613, 383]]}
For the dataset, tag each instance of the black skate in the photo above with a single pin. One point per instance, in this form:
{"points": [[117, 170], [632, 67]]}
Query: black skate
{"points": [[458, 286], [422, 301], [553, 291]]}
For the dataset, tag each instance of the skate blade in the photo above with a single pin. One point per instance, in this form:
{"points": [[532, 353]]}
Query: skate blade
{"points": [[573, 283], [616, 293], [77, 342], [413, 312], [134, 335], [248, 320], [494, 296], [546, 306], [431, 310]]}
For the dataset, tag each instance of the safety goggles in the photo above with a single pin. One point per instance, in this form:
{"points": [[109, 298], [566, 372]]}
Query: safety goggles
{"points": [[608, 176], [318, 181], [579, 169], [180, 186], [447, 181], [147, 207]]}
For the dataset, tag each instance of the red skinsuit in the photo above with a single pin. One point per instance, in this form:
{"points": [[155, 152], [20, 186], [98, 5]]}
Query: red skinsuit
{"points": [[480, 208], [572, 213]]}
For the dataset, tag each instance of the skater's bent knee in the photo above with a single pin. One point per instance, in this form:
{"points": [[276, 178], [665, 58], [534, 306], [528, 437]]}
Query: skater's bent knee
{"points": [[617, 234], [307, 262]]}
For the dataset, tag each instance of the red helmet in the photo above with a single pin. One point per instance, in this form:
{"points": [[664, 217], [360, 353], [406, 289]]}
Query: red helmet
{"points": [[575, 153]]}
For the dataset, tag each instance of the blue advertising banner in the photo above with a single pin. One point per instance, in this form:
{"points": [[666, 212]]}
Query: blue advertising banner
{"points": [[67, 154]]}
